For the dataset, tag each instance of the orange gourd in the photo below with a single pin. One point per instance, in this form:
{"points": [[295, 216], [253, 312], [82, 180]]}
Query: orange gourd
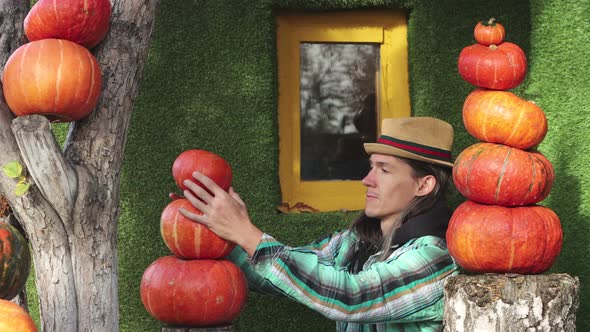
{"points": [[490, 32], [495, 239], [498, 174], [188, 239], [52, 77], [504, 118], [198, 292], [14, 318]]}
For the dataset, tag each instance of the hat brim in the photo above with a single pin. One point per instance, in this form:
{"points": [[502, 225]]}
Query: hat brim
{"points": [[371, 148]]}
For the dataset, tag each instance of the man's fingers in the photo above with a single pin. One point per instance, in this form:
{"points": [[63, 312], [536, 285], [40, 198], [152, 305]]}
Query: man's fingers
{"points": [[193, 216], [197, 203], [198, 190], [236, 196], [208, 183]]}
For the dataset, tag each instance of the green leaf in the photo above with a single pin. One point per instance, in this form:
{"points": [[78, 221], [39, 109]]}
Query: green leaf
{"points": [[22, 188], [13, 169]]}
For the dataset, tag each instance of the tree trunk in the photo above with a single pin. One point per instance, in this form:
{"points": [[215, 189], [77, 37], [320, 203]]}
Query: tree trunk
{"points": [[511, 302], [70, 214]]}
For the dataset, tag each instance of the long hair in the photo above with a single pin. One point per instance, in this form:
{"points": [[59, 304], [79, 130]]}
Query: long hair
{"points": [[368, 229]]}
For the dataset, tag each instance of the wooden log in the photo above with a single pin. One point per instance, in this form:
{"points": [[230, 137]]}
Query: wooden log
{"points": [[224, 328], [511, 302]]}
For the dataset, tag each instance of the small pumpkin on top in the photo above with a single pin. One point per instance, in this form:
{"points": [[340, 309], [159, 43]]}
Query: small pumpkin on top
{"points": [[492, 63], [490, 32]]}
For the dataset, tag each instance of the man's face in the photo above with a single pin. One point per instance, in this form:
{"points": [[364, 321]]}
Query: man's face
{"points": [[390, 186]]}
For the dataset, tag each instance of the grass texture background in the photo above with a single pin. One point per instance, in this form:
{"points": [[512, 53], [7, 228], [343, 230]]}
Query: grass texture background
{"points": [[211, 83]]}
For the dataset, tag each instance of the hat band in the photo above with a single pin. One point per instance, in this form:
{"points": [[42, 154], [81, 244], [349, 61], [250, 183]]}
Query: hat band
{"points": [[419, 149]]}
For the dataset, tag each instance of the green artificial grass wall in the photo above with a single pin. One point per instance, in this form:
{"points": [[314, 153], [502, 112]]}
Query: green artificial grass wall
{"points": [[210, 83]]}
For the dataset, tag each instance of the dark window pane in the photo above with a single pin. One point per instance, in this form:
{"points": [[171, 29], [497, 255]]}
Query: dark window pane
{"points": [[338, 109]]}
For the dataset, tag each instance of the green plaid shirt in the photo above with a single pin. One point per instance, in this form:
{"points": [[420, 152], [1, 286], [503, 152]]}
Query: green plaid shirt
{"points": [[402, 293]]}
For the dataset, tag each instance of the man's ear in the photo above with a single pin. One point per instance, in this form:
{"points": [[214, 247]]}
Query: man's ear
{"points": [[426, 185]]}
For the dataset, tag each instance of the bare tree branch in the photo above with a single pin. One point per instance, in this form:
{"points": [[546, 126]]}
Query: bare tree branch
{"points": [[42, 154]]}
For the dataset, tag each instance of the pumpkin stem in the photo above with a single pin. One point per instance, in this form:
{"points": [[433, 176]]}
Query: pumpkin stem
{"points": [[493, 47], [492, 21]]}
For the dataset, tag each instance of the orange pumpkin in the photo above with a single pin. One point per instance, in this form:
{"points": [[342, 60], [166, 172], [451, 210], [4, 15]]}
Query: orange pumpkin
{"points": [[52, 77], [490, 32], [498, 174], [14, 318], [198, 292], [83, 22], [498, 67], [496, 239], [504, 118], [188, 239]]}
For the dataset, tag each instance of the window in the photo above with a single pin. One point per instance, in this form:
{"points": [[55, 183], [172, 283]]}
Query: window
{"points": [[339, 74]]}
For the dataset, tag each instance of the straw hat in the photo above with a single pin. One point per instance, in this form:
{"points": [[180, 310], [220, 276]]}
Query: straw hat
{"points": [[419, 138]]}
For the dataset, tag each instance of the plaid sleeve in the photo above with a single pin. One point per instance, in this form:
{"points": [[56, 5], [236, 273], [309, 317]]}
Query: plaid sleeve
{"points": [[407, 287], [256, 282]]}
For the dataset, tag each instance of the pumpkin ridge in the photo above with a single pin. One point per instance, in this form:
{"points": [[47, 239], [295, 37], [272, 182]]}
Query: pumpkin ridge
{"points": [[58, 78], [477, 71], [175, 303], [148, 300], [541, 257], [516, 125], [21, 71], [175, 233], [234, 292], [512, 245], [37, 78], [533, 177], [495, 73], [92, 82], [501, 175], [468, 166], [55, 11], [484, 120], [196, 240], [79, 83], [471, 248]]}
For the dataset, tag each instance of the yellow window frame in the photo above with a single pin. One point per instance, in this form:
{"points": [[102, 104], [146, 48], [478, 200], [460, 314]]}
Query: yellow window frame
{"points": [[386, 27]]}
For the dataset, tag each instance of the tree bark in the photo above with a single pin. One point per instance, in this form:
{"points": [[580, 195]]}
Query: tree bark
{"points": [[70, 214], [511, 303]]}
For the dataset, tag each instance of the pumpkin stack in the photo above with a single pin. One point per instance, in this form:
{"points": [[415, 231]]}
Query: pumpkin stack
{"points": [[195, 287], [500, 228], [55, 74]]}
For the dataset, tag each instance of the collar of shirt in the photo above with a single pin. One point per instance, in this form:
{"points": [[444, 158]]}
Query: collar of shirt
{"points": [[433, 222]]}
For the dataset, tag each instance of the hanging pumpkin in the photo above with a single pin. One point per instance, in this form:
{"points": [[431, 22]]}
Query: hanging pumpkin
{"points": [[193, 292], [498, 174], [83, 22], [495, 239], [489, 32], [188, 239], [502, 117], [15, 263], [13, 318], [498, 67], [52, 77]]}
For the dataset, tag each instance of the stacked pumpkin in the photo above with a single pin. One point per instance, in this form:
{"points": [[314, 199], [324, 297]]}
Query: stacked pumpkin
{"points": [[15, 267], [196, 286], [55, 74], [500, 228]]}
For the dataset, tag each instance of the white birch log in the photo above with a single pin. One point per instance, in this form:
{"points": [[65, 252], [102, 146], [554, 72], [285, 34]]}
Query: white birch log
{"points": [[511, 302]]}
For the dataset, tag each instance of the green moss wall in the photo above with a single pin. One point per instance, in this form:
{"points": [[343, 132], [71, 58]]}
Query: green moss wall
{"points": [[210, 83]]}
